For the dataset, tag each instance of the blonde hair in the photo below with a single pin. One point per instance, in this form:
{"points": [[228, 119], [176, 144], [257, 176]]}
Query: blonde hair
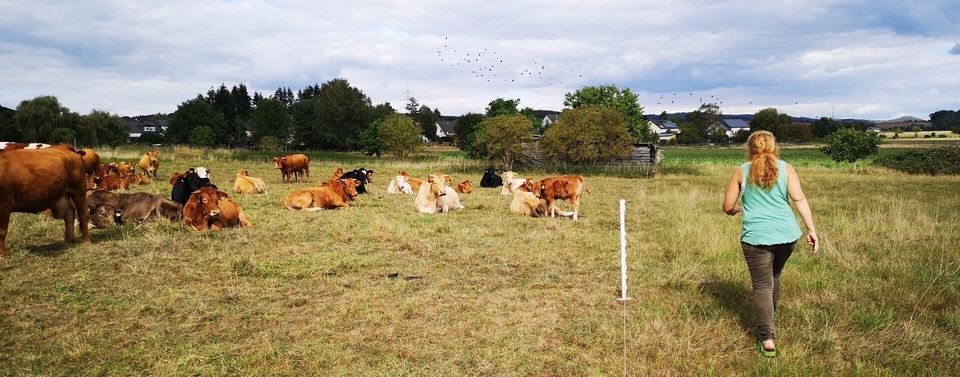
{"points": [[762, 153]]}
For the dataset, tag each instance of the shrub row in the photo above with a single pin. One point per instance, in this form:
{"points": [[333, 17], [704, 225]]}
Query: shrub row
{"points": [[943, 160]]}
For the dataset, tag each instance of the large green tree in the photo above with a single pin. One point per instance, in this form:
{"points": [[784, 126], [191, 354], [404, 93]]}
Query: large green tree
{"points": [[945, 120], [44, 120], [193, 114], [101, 128], [8, 129], [824, 126], [587, 135], [623, 100], [341, 113], [706, 121], [503, 137], [370, 137], [271, 119], [770, 119], [467, 127]]}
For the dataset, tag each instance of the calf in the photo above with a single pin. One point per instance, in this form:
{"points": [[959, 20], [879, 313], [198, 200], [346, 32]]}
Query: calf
{"points": [[332, 194], [35, 180], [107, 208], [293, 166], [465, 187], [490, 178], [511, 182], [213, 209], [245, 184], [150, 163], [399, 185], [526, 203], [112, 181], [568, 187], [190, 182], [413, 182]]}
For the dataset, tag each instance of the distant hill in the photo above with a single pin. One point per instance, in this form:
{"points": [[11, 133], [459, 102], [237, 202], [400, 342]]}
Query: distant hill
{"points": [[903, 119], [746, 118]]}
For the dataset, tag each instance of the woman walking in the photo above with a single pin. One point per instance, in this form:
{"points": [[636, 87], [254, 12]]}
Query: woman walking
{"points": [[770, 228]]}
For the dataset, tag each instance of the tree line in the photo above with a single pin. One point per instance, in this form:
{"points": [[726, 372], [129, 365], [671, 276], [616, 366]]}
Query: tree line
{"points": [[44, 120]]}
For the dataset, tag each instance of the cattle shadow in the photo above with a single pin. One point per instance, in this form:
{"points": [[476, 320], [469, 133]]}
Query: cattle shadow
{"points": [[58, 247], [735, 298]]}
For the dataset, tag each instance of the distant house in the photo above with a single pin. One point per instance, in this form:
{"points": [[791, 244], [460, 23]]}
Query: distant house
{"points": [[145, 123], [733, 125], [445, 129], [665, 129], [874, 129], [547, 120]]}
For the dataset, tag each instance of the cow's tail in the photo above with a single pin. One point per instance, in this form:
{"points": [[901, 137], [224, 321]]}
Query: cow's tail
{"points": [[584, 185]]}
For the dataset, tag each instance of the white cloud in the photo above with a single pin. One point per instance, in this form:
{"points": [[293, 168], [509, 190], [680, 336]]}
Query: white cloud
{"points": [[864, 58]]}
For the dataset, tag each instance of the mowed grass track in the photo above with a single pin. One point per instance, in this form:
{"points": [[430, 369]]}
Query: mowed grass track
{"points": [[483, 292]]}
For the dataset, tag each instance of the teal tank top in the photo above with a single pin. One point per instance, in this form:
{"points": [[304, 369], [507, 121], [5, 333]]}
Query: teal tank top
{"points": [[767, 216]]}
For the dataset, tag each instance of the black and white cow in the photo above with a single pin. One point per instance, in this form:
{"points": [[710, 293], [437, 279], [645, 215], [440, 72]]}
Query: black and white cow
{"points": [[188, 183], [362, 175]]}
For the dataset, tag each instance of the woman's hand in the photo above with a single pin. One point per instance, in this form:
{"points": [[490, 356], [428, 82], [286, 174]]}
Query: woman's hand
{"points": [[813, 241]]}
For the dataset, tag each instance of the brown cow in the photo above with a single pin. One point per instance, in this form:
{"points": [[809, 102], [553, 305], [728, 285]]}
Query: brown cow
{"points": [[332, 194], [465, 187], [413, 182], [91, 160], [112, 181], [37, 180], [337, 173], [105, 169], [293, 166], [213, 209], [150, 163], [108, 209], [137, 179], [245, 184], [126, 168], [526, 203], [569, 187], [12, 146]]}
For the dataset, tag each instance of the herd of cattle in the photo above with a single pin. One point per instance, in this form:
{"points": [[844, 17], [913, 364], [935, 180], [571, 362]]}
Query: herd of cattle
{"points": [[73, 185]]}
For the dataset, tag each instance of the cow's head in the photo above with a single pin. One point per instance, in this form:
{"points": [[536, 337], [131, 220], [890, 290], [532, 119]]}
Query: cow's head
{"points": [[403, 173], [350, 187], [208, 200], [369, 176], [447, 180], [203, 172], [508, 175], [402, 184], [466, 187], [490, 171], [437, 185], [279, 162], [529, 186], [243, 173]]}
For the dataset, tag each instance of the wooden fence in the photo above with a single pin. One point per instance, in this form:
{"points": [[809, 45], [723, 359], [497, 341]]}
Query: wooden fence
{"points": [[643, 156]]}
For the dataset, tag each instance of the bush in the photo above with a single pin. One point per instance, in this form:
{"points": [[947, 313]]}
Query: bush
{"points": [[270, 143], [202, 137], [399, 135], [850, 145], [943, 160], [502, 137], [588, 134]]}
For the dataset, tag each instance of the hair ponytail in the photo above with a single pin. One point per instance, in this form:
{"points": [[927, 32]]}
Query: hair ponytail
{"points": [[762, 154]]}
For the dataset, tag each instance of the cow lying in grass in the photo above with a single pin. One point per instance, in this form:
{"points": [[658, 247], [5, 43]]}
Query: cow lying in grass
{"points": [[108, 209], [511, 182], [245, 184], [400, 185], [332, 194], [464, 187], [213, 209], [435, 196], [526, 203]]}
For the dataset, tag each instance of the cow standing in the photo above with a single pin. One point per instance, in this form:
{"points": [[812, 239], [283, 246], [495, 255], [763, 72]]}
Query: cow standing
{"points": [[150, 163], [569, 187], [293, 167], [38, 180]]}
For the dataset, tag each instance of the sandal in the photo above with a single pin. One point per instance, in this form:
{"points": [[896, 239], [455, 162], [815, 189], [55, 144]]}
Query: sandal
{"points": [[765, 352]]}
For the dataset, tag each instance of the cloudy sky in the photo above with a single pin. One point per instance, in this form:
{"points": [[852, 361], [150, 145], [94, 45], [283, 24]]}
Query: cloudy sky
{"points": [[874, 59]]}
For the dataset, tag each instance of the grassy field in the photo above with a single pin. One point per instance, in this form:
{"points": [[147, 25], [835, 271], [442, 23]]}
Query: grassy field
{"points": [[378, 289]]}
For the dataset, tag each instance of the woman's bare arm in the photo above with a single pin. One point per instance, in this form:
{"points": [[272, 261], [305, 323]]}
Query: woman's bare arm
{"points": [[732, 192], [800, 200]]}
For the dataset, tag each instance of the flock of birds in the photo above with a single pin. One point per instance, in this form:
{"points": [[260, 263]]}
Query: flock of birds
{"points": [[487, 65]]}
